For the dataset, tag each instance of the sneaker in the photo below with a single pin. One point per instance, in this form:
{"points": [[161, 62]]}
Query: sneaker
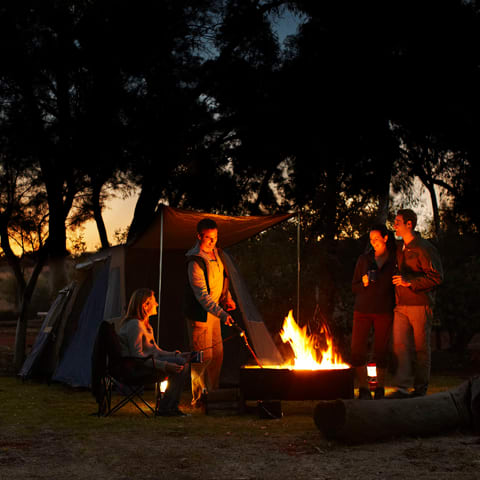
{"points": [[397, 395], [364, 394], [379, 393]]}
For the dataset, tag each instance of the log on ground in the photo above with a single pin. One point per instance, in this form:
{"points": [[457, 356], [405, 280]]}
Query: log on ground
{"points": [[360, 421]]}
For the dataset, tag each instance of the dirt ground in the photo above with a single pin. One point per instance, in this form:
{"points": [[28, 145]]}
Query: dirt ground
{"points": [[262, 455], [215, 447]]}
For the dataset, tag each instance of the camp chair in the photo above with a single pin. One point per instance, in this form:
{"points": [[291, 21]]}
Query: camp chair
{"points": [[128, 375]]}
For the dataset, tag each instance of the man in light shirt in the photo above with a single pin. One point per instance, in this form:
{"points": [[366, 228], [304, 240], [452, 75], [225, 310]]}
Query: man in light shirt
{"points": [[208, 303]]}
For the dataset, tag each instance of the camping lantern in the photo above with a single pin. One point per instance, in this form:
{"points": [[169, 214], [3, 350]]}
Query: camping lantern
{"points": [[372, 375], [163, 387]]}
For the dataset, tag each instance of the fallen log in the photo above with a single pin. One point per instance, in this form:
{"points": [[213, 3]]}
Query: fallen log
{"points": [[360, 421]]}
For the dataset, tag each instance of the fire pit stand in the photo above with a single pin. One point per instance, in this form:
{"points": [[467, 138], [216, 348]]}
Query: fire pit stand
{"points": [[285, 384]]}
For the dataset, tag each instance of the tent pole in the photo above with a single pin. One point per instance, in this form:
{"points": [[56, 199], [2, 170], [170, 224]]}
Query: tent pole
{"points": [[160, 267], [298, 267]]}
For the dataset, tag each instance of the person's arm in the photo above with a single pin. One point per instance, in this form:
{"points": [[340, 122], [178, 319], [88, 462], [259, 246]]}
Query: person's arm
{"points": [[230, 303], [432, 271], [134, 339], [358, 282], [196, 278]]}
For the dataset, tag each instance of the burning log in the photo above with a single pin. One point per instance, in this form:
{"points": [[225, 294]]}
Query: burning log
{"points": [[360, 421]]}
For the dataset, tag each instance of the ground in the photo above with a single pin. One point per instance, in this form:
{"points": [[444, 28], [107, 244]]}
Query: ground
{"points": [[49, 432], [178, 449]]}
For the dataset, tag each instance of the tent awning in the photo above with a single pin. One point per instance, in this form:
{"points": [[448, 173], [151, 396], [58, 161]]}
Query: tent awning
{"points": [[180, 227]]}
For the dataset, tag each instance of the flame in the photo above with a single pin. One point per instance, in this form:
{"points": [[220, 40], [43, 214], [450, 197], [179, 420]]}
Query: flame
{"points": [[303, 346]]}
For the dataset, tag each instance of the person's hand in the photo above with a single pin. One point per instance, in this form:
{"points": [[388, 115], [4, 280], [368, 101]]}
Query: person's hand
{"points": [[230, 305], [229, 321], [186, 356], [365, 280], [173, 368], [399, 281]]}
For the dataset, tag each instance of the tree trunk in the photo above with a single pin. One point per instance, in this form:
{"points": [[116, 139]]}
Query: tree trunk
{"points": [[13, 261], [57, 276], [144, 209], [385, 178], [97, 214], [436, 213], [359, 421], [22, 321], [20, 337]]}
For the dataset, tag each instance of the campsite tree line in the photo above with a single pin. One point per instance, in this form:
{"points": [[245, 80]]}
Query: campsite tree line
{"points": [[199, 104]]}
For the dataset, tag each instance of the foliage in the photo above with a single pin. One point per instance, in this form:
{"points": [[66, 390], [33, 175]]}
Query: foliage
{"points": [[198, 105], [457, 299]]}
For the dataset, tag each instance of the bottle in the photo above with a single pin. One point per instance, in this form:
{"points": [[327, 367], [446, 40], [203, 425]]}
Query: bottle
{"points": [[372, 272]]}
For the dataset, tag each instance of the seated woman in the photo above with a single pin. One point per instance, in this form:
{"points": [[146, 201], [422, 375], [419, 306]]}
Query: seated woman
{"points": [[136, 340]]}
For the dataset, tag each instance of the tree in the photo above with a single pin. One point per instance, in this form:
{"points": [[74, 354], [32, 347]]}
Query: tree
{"points": [[23, 224]]}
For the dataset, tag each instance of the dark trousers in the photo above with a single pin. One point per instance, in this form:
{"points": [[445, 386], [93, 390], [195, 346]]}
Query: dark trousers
{"points": [[362, 324]]}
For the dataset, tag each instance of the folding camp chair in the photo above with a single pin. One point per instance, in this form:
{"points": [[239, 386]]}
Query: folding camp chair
{"points": [[128, 375]]}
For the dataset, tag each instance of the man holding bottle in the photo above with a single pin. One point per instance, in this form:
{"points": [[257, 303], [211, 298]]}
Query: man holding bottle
{"points": [[419, 272]]}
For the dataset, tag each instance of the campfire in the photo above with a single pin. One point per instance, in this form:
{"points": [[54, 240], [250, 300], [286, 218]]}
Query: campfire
{"points": [[313, 372], [307, 354]]}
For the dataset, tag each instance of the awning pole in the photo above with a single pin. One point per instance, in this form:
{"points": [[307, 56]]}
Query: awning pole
{"points": [[298, 267], [160, 276]]}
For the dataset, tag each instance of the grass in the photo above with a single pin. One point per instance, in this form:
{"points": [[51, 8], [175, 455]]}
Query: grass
{"points": [[30, 407]]}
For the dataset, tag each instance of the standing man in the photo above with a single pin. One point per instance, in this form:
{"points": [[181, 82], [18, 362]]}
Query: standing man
{"points": [[207, 303], [419, 272]]}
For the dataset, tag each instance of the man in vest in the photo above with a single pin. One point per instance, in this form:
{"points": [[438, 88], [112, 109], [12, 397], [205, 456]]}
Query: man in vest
{"points": [[419, 272], [208, 303]]}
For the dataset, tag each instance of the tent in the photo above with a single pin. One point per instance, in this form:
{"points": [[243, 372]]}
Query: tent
{"points": [[155, 259]]}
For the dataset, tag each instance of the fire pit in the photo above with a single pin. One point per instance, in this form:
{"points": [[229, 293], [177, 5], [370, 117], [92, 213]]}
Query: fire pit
{"points": [[284, 384], [312, 375]]}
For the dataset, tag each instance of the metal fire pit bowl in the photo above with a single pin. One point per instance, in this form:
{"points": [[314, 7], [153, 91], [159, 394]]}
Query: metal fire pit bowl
{"points": [[285, 384]]}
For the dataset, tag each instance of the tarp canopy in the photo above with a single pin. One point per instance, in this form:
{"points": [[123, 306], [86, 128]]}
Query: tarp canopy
{"points": [[180, 227]]}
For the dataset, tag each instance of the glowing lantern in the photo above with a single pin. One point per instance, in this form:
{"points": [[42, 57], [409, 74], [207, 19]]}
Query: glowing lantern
{"points": [[372, 375]]}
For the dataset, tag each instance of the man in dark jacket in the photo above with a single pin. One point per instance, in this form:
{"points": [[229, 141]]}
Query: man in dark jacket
{"points": [[419, 272]]}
